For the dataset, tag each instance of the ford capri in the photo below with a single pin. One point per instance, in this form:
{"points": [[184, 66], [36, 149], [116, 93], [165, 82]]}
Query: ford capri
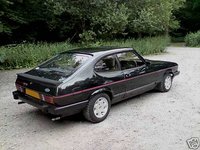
{"points": [[90, 80]]}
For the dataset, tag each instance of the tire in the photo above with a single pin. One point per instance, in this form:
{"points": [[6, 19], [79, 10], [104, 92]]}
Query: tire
{"points": [[98, 108], [166, 83]]}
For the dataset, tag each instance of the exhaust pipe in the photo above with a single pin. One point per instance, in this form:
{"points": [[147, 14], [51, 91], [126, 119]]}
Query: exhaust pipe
{"points": [[56, 118], [21, 102]]}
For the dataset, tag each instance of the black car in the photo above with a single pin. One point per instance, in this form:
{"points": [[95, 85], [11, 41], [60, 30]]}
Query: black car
{"points": [[91, 80]]}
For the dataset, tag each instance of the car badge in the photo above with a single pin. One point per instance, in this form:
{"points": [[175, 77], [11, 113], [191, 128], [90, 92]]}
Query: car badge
{"points": [[47, 90], [25, 84]]}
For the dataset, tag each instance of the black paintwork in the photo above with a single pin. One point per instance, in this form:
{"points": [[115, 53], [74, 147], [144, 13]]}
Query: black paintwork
{"points": [[73, 94]]}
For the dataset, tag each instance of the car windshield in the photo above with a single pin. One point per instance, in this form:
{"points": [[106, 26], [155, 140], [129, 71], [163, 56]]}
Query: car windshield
{"points": [[64, 64]]}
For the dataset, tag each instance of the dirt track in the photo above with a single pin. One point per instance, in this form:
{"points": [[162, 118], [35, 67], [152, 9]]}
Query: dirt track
{"points": [[153, 121]]}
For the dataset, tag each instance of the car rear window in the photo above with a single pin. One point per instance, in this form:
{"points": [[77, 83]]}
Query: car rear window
{"points": [[64, 64]]}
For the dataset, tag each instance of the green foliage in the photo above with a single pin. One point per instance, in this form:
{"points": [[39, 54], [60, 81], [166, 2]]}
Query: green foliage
{"points": [[58, 20], [87, 37], [29, 55], [153, 16], [193, 39], [109, 19], [4, 4], [145, 46], [189, 16], [14, 14]]}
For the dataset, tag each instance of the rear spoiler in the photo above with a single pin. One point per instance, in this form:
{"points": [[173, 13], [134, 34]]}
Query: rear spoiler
{"points": [[38, 79]]}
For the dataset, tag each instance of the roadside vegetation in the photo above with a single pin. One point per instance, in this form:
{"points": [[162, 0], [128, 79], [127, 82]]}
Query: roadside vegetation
{"points": [[193, 39], [30, 55]]}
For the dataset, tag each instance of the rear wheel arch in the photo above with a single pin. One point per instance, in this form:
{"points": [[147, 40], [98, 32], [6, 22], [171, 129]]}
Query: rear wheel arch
{"points": [[102, 90]]}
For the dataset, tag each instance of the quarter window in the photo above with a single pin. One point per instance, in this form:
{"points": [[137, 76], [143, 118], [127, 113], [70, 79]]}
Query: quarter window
{"points": [[106, 64], [129, 60]]}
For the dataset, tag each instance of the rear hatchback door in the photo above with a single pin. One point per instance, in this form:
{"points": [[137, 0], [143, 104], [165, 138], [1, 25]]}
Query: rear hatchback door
{"points": [[46, 77], [27, 84]]}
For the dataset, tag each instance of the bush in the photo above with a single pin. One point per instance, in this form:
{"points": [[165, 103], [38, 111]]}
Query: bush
{"points": [[29, 55], [87, 37], [145, 46], [193, 39]]}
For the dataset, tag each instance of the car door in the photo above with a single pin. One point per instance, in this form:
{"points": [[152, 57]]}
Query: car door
{"points": [[109, 73], [134, 69]]}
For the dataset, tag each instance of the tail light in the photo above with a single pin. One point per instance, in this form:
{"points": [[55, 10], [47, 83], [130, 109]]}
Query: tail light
{"points": [[19, 88], [48, 99]]}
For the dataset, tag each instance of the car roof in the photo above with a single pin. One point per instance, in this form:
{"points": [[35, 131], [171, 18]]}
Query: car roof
{"points": [[97, 51]]}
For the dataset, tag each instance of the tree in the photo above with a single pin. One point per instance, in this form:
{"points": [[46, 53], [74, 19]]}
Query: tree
{"points": [[153, 16], [15, 16], [109, 19], [189, 16], [86, 20]]}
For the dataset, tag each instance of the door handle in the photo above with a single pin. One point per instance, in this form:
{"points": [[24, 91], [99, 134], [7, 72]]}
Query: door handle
{"points": [[142, 72]]}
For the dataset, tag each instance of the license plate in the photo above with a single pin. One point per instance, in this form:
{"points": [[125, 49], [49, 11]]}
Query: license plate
{"points": [[32, 93]]}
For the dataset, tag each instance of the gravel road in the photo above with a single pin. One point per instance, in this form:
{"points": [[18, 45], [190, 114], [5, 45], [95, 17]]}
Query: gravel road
{"points": [[153, 121]]}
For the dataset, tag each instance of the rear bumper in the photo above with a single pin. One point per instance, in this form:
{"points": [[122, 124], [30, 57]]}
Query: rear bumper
{"points": [[61, 111]]}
